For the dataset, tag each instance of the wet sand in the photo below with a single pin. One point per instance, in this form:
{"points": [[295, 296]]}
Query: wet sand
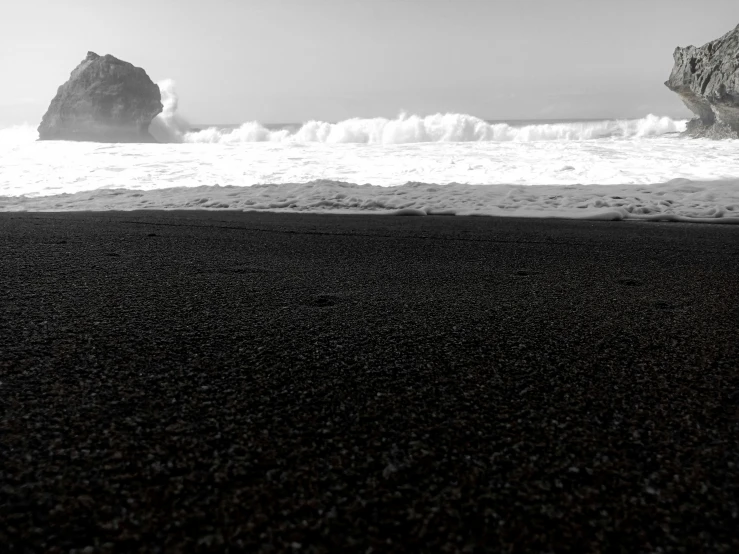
{"points": [[221, 381]]}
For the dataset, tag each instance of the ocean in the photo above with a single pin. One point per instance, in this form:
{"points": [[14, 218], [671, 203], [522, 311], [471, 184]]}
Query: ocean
{"points": [[434, 164]]}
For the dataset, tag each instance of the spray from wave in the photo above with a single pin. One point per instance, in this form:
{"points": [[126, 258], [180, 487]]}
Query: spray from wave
{"points": [[169, 126], [450, 127], [16, 135]]}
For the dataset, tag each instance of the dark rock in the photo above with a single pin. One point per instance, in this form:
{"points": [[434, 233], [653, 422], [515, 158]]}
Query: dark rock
{"points": [[707, 80], [104, 100]]}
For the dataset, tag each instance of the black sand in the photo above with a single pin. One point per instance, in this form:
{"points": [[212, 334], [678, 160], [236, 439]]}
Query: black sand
{"points": [[267, 382]]}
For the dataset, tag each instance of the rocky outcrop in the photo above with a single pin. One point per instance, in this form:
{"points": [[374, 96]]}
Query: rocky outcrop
{"points": [[707, 80], [104, 100]]}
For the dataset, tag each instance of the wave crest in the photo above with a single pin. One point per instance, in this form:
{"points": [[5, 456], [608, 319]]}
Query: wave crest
{"points": [[449, 127], [170, 126]]}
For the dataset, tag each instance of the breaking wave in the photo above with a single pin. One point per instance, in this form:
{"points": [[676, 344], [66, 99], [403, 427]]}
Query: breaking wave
{"points": [[169, 126], [16, 135], [450, 127]]}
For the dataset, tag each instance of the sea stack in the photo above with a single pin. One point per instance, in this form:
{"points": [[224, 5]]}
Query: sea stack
{"points": [[104, 100], [707, 80]]}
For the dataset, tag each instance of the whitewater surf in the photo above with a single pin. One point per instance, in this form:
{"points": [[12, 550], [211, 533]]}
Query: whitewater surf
{"points": [[420, 164]]}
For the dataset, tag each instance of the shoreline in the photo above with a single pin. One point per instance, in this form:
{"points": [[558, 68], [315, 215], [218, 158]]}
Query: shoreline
{"points": [[412, 212], [679, 200], [203, 380]]}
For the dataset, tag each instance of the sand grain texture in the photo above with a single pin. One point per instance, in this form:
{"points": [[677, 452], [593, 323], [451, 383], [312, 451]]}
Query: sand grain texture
{"points": [[218, 382]]}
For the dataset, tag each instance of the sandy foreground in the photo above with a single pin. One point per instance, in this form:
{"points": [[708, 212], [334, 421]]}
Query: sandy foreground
{"points": [[223, 381]]}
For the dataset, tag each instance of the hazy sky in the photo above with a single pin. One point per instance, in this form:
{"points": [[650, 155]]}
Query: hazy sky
{"points": [[294, 60]]}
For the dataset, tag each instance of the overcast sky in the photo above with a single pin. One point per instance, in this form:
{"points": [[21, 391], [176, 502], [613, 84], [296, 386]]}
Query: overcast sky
{"points": [[294, 60]]}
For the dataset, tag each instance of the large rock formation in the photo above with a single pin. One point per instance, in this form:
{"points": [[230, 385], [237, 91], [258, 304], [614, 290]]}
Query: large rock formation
{"points": [[707, 80], [105, 100]]}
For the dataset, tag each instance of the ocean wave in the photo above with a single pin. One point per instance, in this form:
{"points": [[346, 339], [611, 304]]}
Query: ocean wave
{"points": [[16, 135], [170, 127], [449, 127]]}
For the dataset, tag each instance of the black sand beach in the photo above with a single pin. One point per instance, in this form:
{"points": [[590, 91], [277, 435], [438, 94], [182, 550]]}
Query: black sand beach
{"points": [[225, 382]]}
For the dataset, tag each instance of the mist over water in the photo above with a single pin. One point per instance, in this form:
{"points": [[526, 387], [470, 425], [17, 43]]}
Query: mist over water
{"points": [[169, 126]]}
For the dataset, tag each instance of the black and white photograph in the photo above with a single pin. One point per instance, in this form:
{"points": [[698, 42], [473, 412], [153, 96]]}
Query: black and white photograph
{"points": [[369, 276]]}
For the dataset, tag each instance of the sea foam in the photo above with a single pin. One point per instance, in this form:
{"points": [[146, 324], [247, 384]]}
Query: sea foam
{"points": [[169, 126], [677, 200], [448, 127], [442, 163]]}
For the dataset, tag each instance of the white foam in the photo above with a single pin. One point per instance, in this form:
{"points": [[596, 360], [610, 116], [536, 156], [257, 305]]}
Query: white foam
{"points": [[52, 167], [449, 127], [169, 126], [676, 200], [17, 136], [635, 169]]}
